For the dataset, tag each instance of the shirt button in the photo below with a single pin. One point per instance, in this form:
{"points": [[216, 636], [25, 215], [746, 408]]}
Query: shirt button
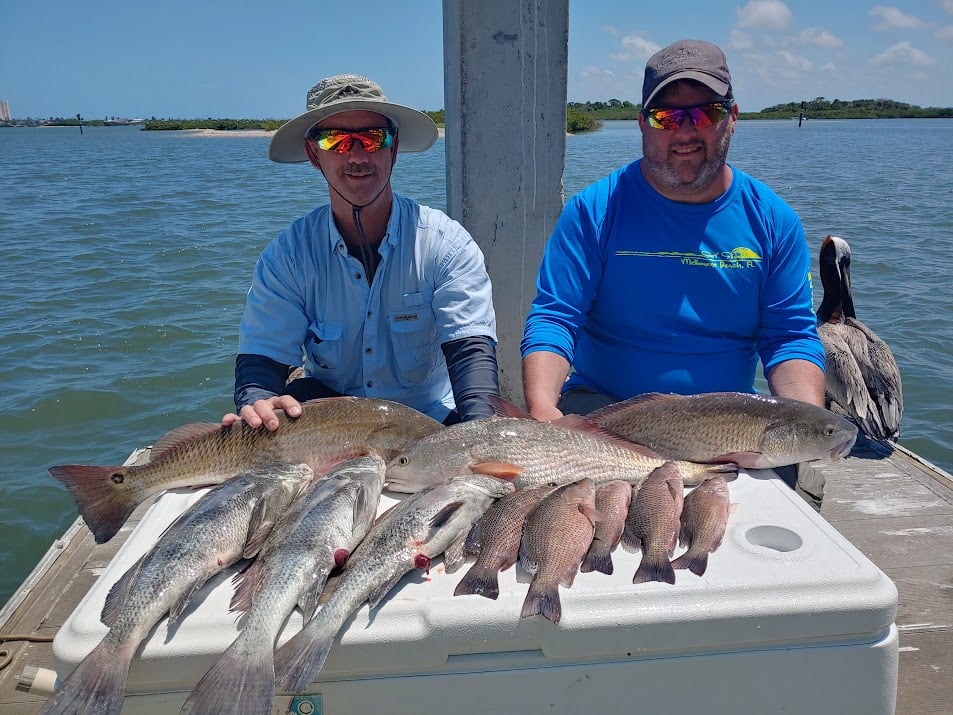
{"points": [[370, 383], [369, 350], [369, 313], [357, 276]]}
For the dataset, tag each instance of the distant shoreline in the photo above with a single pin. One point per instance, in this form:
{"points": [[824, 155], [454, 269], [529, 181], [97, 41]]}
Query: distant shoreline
{"points": [[247, 132]]}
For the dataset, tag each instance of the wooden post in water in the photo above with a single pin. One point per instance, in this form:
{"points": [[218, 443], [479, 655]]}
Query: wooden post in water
{"points": [[80, 120], [800, 117]]}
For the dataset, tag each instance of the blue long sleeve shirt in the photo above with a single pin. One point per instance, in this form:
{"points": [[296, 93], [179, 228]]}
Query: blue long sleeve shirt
{"points": [[309, 298], [642, 294]]}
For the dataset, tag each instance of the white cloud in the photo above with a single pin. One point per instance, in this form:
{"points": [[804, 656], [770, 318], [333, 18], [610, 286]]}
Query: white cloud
{"points": [[796, 62], [894, 19], [819, 37], [945, 33], [616, 32], [591, 71], [741, 40], [903, 53], [947, 5], [635, 48], [764, 15]]}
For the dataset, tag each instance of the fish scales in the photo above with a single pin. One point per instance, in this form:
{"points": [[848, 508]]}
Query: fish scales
{"points": [[753, 431], [704, 521], [328, 431], [407, 536], [317, 534], [556, 535], [220, 528], [653, 523], [612, 503], [529, 452]]}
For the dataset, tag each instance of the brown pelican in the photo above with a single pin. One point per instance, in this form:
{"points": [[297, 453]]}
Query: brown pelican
{"points": [[862, 375]]}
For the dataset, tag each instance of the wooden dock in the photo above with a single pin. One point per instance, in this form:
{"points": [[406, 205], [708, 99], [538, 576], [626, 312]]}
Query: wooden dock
{"points": [[893, 506]]}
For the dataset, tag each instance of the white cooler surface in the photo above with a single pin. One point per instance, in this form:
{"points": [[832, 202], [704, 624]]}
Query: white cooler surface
{"points": [[786, 599]]}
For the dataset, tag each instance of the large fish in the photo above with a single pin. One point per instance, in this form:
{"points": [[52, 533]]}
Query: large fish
{"points": [[704, 520], [495, 539], [228, 523], [407, 536], [555, 538], [320, 531], [653, 523], [529, 453], [328, 431], [752, 431], [612, 503]]}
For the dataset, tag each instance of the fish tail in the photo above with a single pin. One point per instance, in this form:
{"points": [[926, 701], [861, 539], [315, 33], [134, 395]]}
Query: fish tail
{"points": [[299, 661], [597, 560], [96, 685], [654, 569], [694, 562], [542, 600], [103, 507], [242, 680], [479, 580]]}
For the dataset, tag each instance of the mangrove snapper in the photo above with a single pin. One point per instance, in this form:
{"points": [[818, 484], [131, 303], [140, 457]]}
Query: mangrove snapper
{"points": [[555, 538], [653, 523], [612, 503], [704, 520]]}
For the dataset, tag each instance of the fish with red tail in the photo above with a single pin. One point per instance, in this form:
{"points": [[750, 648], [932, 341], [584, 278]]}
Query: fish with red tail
{"points": [[329, 431]]}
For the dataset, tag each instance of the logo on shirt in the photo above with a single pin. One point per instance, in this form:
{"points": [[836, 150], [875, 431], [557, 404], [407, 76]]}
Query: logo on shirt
{"points": [[741, 257], [406, 317]]}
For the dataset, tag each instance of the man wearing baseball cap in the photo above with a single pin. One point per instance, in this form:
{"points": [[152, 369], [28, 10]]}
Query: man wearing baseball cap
{"points": [[677, 272], [382, 296]]}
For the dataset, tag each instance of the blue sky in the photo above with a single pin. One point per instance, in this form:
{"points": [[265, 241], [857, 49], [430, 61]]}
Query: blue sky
{"points": [[202, 58]]}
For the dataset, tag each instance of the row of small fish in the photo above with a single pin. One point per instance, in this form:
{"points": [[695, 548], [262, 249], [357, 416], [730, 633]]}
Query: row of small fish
{"points": [[555, 531]]}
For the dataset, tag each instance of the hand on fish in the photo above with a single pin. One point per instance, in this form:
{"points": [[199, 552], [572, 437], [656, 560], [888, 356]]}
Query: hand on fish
{"points": [[262, 412]]}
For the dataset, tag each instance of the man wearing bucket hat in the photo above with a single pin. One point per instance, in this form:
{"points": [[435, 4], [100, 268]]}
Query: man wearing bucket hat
{"points": [[383, 297], [677, 272]]}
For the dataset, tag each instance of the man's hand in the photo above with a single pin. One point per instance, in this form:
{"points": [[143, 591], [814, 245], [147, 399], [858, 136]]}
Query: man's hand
{"points": [[262, 412]]}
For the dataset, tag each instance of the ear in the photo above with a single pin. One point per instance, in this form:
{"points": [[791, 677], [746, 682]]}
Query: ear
{"points": [[312, 156], [393, 156]]}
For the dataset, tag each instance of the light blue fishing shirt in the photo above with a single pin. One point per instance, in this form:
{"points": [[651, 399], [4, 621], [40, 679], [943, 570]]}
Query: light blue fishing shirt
{"points": [[644, 294], [310, 298]]}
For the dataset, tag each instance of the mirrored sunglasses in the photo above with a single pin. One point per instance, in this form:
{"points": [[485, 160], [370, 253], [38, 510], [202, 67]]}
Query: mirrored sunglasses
{"points": [[703, 115], [341, 140]]}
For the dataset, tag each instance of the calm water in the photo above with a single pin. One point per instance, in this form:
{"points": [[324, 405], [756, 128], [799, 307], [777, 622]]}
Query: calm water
{"points": [[126, 256]]}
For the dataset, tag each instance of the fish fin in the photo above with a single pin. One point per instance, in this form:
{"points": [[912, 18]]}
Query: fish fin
{"points": [[597, 558], [585, 425], [378, 594], [654, 569], [117, 594], [647, 398], [258, 529], [480, 581], [96, 685], [544, 601], [526, 560], [474, 540], [504, 408], [246, 583], [591, 513], [178, 608], [444, 515], [454, 556], [310, 598], [102, 505], [299, 661], [500, 470], [696, 563], [240, 681], [747, 459], [184, 433], [631, 542]]}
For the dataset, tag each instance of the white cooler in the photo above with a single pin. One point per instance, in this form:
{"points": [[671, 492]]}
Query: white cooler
{"points": [[789, 618]]}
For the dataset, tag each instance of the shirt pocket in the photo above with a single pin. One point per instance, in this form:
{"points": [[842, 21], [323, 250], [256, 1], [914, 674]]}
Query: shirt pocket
{"points": [[413, 335], [323, 345]]}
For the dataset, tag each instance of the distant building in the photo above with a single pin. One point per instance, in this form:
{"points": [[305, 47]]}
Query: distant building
{"points": [[4, 111]]}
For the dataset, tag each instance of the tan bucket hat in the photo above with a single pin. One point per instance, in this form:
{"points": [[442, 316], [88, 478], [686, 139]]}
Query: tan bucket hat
{"points": [[347, 93]]}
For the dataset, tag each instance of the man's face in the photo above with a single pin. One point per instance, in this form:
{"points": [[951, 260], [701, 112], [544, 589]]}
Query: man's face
{"points": [[358, 174], [688, 163]]}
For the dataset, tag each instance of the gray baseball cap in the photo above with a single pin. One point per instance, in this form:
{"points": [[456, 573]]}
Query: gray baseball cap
{"points": [[686, 59], [350, 93]]}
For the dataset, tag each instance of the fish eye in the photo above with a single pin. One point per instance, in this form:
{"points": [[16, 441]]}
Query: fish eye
{"points": [[830, 431], [402, 461]]}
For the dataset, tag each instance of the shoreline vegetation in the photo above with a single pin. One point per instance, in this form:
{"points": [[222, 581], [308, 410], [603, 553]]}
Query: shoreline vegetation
{"points": [[580, 116]]}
